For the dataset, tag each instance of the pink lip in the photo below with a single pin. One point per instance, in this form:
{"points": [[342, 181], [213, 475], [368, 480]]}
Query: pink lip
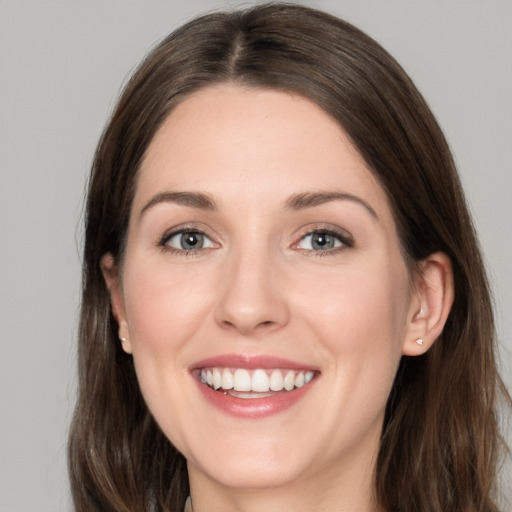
{"points": [[251, 362], [255, 408]]}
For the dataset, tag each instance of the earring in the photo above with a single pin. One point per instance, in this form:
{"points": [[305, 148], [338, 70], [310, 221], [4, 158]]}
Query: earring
{"points": [[419, 341], [123, 340]]}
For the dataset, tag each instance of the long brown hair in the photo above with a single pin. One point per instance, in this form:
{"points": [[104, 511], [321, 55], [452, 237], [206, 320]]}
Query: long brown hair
{"points": [[440, 438]]}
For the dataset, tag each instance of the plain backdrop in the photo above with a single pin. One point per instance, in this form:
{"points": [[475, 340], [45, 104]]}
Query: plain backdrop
{"points": [[62, 64]]}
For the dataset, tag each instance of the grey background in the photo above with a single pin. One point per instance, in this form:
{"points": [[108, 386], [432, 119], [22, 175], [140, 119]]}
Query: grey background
{"points": [[61, 66]]}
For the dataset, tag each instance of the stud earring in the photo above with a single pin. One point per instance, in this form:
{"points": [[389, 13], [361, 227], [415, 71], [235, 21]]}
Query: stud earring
{"points": [[123, 340], [419, 341]]}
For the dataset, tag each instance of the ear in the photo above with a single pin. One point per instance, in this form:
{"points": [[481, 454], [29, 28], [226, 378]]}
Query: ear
{"points": [[432, 299], [111, 276]]}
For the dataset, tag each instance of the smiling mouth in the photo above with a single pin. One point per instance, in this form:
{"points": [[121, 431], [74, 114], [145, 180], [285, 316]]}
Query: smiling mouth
{"points": [[258, 383]]}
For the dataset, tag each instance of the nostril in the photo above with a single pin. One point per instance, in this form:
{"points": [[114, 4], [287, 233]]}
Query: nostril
{"points": [[251, 309], [247, 328]]}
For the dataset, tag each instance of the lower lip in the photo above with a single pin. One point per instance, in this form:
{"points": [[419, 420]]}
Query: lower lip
{"points": [[253, 408]]}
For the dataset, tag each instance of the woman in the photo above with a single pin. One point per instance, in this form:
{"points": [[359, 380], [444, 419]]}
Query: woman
{"points": [[284, 304]]}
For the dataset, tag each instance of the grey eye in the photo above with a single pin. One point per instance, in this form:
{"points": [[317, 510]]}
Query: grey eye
{"points": [[189, 241], [319, 241]]}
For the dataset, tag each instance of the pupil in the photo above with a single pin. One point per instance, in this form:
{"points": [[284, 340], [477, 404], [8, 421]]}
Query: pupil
{"points": [[191, 240], [322, 241]]}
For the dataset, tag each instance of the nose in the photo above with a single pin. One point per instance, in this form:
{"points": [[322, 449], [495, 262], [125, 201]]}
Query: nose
{"points": [[253, 295]]}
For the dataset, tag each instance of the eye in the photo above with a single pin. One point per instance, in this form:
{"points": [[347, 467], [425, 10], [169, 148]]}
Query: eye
{"points": [[323, 241], [188, 240]]}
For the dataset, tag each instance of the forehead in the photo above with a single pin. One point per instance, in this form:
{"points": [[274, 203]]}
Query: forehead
{"points": [[235, 142]]}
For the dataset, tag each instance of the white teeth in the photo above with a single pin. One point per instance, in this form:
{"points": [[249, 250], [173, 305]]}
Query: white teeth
{"points": [[217, 379], [227, 379], [289, 380], [258, 381], [241, 394], [276, 381], [242, 380]]}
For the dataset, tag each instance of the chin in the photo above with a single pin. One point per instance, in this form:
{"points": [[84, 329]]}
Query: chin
{"points": [[243, 473]]}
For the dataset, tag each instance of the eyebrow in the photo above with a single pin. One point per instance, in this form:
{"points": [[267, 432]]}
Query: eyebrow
{"points": [[192, 199], [300, 201], [312, 199]]}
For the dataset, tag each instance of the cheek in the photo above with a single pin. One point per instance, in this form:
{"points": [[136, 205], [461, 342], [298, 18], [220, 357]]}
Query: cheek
{"points": [[163, 308], [360, 321], [361, 328], [163, 312], [361, 307]]}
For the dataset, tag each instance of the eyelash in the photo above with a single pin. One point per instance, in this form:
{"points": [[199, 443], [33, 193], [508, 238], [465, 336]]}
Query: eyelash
{"points": [[342, 236], [164, 240]]}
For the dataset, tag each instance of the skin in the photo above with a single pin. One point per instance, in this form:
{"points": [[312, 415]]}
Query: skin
{"points": [[259, 288]]}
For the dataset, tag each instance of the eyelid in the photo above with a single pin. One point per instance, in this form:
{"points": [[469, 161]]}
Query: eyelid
{"points": [[179, 233], [346, 239], [163, 241]]}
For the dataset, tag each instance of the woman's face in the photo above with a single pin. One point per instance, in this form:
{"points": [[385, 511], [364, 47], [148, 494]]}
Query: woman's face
{"points": [[262, 257]]}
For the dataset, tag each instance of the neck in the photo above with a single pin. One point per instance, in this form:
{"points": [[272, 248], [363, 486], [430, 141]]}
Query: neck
{"points": [[351, 491]]}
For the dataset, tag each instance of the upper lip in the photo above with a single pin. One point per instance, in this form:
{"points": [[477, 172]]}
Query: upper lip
{"points": [[251, 362]]}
